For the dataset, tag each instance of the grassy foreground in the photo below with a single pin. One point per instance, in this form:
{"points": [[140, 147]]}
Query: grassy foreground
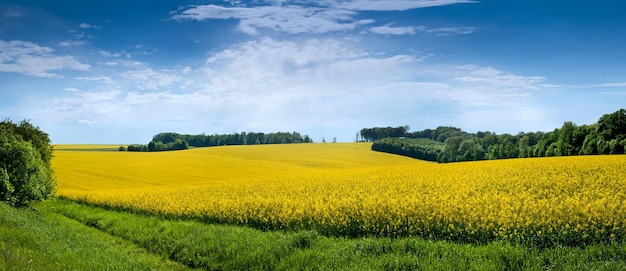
{"points": [[65, 235], [31, 240]]}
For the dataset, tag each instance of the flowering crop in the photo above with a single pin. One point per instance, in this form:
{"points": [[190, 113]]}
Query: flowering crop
{"points": [[348, 190]]}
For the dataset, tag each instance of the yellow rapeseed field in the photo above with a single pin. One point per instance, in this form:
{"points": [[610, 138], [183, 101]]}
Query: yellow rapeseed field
{"points": [[86, 147], [349, 190]]}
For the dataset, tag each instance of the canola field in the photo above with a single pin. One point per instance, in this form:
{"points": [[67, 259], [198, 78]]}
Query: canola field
{"points": [[348, 190]]}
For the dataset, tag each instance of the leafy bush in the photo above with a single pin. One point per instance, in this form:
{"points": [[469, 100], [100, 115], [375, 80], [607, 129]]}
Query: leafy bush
{"points": [[25, 172]]}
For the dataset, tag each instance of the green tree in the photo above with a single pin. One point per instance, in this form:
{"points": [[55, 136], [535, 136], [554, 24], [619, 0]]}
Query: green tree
{"points": [[25, 172], [611, 130], [590, 143], [39, 139], [524, 149], [565, 144], [179, 145], [6, 188], [465, 151], [616, 147], [450, 151], [152, 145], [612, 125], [509, 148], [24, 176]]}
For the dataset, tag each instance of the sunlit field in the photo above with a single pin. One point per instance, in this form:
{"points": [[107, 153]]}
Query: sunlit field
{"points": [[86, 147], [92, 171], [349, 190]]}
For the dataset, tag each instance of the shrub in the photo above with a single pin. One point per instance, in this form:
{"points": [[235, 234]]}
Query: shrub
{"points": [[25, 172]]}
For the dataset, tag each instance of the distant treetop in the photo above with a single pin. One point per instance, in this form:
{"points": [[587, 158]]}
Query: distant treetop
{"points": [[175, 141], [607, 136]]}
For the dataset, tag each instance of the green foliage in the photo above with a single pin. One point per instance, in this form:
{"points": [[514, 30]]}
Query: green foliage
{"points": [[175, 141], [6, 187], [48, 241], [420, 148], [376, 133], [25, 172], [137, 147], [243, 138], [441, 134], [36, 137], [607, 136], [612, 126], [177, 144], [122, 148]]}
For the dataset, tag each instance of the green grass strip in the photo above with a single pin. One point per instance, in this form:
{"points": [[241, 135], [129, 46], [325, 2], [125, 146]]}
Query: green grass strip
{"points": [[32, 240], [225, 247]]}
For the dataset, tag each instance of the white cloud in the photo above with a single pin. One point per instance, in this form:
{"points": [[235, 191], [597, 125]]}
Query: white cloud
{"points": [[443, 31], [410, 30], [108, 54], [101, 79], [301, 17], [490, 77], [130, 53], [72, 43], [82, 106], [87, 26], [31, 59], [395, 5], [85, 121], [386, 30], [13, 12], [321, 87], [604, 85], [289, 19], [263, 85], [155, 80], [289, 69]]}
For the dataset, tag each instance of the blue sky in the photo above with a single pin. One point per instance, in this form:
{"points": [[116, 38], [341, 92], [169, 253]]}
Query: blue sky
{"points": [[122, 71]]}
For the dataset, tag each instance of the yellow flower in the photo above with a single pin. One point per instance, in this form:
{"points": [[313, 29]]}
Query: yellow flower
{"points": [[347, 187]]}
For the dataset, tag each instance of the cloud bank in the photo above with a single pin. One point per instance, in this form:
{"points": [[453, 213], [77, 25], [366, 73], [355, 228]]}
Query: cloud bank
{"points": [[31, 59], [323, 87], [295, 17]]}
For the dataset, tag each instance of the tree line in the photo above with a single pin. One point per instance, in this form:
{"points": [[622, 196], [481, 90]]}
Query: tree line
{"points": [[175, 141], [607, 136], [420, 148]]}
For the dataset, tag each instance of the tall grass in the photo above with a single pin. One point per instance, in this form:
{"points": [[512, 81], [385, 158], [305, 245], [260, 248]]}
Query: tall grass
{"points": [[32, 240]]}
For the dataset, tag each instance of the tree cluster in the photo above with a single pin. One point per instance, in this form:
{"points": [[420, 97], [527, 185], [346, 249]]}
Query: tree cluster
{"points": [[440, 134], [420, 148], [607, 136], [376, 133], [175, 141], [177, 144], [26, 175]]}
